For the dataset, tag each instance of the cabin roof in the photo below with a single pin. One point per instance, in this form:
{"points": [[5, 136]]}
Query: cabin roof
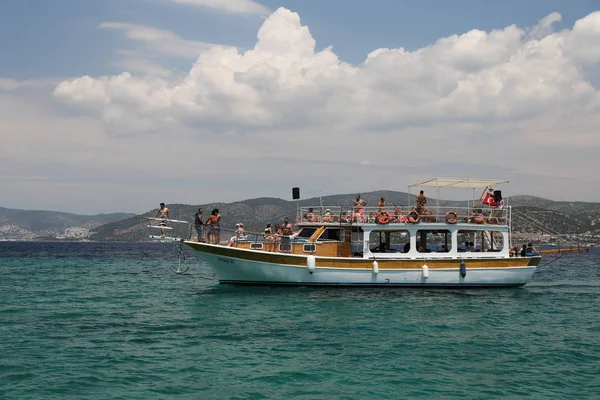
{"points": [[459, 183]]}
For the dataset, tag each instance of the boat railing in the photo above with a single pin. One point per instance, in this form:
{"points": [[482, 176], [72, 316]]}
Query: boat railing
{"points": [[404, 214], [270, 242]]}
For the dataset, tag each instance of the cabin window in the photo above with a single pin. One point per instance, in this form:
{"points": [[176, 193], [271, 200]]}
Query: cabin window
{"points": [[331, 234], [256, 246], [307, 232], [477, 241], [285, 247], [434, 241], [309, 247], [389, 241]]}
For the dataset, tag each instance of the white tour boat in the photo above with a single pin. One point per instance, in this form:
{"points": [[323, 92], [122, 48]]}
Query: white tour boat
{"points": [[418, 246]]}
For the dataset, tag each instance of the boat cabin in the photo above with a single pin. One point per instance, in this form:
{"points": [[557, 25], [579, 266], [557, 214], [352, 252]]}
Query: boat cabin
{"points": [[433, 231]]}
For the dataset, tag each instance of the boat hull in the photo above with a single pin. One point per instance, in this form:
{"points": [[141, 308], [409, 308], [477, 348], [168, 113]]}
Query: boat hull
{"points": [[239, 266]]}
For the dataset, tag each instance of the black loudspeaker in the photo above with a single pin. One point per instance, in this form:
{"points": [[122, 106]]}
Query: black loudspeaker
{"points": [[296, 193], [497, 195]]}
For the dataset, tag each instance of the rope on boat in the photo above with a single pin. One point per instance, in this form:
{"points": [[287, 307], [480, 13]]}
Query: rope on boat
{"points": [[543, 227], [556, 259]]}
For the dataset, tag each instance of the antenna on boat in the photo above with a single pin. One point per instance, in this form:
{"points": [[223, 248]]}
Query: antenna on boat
{"points": [[321, 201]]}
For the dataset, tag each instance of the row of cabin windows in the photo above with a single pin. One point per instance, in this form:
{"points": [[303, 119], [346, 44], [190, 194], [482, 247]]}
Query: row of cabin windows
{"points": [[427, 240], [439, 241]]}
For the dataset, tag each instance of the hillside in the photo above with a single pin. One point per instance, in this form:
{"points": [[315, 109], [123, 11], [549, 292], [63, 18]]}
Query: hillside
{"points": [[51, 225], [561, 217], [531, 215]]}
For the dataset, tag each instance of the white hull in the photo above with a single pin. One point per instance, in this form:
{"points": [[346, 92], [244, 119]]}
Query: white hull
{"points": [[242, 271]]}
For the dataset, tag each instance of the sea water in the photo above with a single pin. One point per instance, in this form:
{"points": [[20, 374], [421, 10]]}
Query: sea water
{"points": [[111, 321]]}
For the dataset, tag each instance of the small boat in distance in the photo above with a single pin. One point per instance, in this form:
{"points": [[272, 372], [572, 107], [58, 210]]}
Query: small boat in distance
{"points": [[426, 246]]}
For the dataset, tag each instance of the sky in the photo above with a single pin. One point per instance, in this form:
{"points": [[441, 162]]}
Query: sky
{"points": [[118, 105]]}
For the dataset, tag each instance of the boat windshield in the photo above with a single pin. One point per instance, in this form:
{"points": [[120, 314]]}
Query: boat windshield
{"points": [[306, 232]]}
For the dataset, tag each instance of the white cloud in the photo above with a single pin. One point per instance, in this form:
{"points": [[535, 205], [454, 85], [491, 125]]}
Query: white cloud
{"points": [[13, 84], [505, 103], [145, 67], [583, 41], [479, 77], [159, 40], [230, 6], [544, 27]]}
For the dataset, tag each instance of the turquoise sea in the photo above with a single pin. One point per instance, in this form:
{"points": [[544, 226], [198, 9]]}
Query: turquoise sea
{"points": [[111, 321]]}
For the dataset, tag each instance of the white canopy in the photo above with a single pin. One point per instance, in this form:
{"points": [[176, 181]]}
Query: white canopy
{"points": [[460, 183]]}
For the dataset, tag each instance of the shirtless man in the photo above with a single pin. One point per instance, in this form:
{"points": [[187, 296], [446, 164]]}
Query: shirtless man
{"points": [[359, 204], [163, 213], [421, 199], [213, 224]]}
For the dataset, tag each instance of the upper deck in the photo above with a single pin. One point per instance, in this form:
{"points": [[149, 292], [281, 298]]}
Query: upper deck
{"points": [[394, 216], [400, 232]]}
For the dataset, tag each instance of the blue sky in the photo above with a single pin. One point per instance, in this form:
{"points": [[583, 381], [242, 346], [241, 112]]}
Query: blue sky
{"points": [[115, 105], [61, 38]]}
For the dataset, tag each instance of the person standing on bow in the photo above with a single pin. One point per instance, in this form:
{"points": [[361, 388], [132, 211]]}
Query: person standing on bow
{"points": [[213, 224], [163, 214], [198, 224]]}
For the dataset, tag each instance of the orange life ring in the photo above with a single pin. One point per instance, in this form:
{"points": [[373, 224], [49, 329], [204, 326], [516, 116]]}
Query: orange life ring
{"points": [[451, 217], [413, 217], [383, 217]]}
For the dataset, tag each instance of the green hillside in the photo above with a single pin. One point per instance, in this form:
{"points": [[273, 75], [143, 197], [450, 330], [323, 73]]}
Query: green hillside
{"points": [[562, 217]]}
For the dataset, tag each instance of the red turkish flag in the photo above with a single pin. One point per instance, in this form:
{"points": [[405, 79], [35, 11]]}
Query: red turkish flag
{"points": [[488, 200]]}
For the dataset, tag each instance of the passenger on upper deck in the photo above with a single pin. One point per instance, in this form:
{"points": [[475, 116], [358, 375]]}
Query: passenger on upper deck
{"points": [[359, 204], [347, 217], [327, 217], [310, 217], [530, 249], [496, 205], [358, 218], [371, 218], [421, 199], [381, 204], [397, 216], [477, 217]]}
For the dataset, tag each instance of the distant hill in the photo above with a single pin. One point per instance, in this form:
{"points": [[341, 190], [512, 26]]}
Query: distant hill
{"points": [[51, 225], [530, 214]]}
